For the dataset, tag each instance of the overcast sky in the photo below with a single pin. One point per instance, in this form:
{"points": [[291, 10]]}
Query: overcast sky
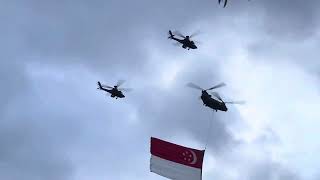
{"points": [[55, 125]]}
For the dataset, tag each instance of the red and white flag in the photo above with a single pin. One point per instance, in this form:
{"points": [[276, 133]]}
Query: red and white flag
{"points": [[174, 161]]}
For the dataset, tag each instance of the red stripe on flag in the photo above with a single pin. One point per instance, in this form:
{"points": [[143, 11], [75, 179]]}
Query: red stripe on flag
{"points": [[176, 153]]}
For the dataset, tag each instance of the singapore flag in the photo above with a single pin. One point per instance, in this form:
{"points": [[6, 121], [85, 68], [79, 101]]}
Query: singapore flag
{"points": [[174, 161]]}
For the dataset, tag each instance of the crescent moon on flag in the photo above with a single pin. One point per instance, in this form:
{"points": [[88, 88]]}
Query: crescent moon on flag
{"points": [[194, 157]]}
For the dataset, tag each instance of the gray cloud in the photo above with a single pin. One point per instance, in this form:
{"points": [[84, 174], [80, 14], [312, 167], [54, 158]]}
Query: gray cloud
{"points": [[271, 170], [290, 20], [54, 125], [31, 148]]}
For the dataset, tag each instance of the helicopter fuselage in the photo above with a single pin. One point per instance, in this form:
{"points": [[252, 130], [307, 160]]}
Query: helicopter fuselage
{"points": [[186, 43], [213, 103], [114, 93]]}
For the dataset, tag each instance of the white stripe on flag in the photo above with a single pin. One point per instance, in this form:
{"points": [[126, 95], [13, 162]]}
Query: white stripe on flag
{"points": [[173, 170]]}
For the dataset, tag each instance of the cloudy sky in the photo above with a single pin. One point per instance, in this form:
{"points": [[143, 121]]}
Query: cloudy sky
{"points": [[55, 125]]}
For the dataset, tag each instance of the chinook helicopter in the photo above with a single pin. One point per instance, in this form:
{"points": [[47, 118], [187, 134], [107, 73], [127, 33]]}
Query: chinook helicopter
{"points": [[215, 104], [186, 42], [115, 91]]}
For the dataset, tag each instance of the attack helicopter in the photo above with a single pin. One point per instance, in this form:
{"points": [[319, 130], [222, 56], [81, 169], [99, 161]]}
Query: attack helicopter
{"points": [[186, 42], [215, 104], [115, 91]]}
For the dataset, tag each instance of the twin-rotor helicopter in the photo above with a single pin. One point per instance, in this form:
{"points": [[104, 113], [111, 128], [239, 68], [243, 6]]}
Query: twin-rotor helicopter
{"points": [[214, 103]]}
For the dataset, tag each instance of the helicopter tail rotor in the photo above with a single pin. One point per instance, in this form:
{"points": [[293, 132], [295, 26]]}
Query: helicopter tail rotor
{"points": [[99, 85], [170, 35]]}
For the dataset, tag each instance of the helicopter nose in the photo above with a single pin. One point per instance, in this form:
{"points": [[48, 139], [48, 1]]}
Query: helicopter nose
{"points": [[225, 109]]}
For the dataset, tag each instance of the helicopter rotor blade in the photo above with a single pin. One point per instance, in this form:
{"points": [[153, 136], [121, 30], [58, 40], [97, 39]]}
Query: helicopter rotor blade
{"points": [[235, 102], [177, 44], [120, 82], [106, 86], [215, 94], [195, 34], [179, 34], [225, 3], [198, 42], [192, 85], [217, 86], [125, 89]]}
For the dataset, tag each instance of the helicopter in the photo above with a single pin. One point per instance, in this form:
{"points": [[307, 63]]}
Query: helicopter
{"points": [[215, 104], [187, 43], [225, 2], [115, 91]]}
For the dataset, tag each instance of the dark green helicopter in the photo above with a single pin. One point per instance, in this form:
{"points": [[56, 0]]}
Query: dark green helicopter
{"points": [[215, 104], [115, 91], [186, 42]]}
